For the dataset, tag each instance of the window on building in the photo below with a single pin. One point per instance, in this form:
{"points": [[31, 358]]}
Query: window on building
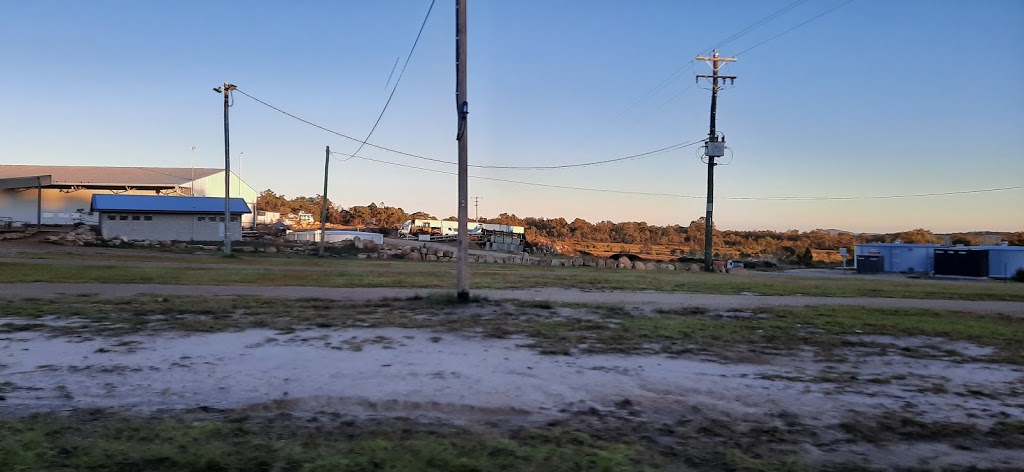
{"points": [[111, 217], [234, 219], [200, 218], [147, 218], [123, 217], [220, 219], [136, 217]]}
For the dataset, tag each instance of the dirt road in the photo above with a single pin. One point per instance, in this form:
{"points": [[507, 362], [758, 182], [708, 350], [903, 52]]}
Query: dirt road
{"points": [[630, 299]]}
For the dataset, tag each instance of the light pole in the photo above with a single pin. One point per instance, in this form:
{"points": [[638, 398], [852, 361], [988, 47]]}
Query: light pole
{"points": [[226, 90]]}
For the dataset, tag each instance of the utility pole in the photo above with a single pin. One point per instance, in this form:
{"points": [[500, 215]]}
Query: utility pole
{"points": [[715, 147], [476, 207], [226, 90], [462, 109], [323, 203]]}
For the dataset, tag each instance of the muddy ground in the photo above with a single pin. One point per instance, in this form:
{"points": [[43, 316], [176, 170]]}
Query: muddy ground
{"points": [[858, 400]]}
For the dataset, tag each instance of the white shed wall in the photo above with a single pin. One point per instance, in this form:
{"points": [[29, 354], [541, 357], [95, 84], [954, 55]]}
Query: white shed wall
{"points": [[166, 226], [213, 186]]}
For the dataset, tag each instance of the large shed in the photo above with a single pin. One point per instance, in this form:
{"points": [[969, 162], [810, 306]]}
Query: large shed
{"points": [[999, 262], [151, 217], [61, 195], [898, 257]]}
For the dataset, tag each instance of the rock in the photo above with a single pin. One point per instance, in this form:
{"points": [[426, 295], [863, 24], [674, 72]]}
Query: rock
{"points": [[413, 255], [490, 259], [180, 245], [383, 255], [432, 257], [358, 242], [668, 267], [639, 265], [369, 245], [245, 249], [620, 265], [406, 250], [270, 249], [736, 270], [693, 268], [651, 266], [362, 255]]}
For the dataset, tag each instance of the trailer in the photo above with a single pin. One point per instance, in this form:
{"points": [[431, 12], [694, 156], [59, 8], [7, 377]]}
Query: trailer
{"points": [[438, 230], [415, 228]]}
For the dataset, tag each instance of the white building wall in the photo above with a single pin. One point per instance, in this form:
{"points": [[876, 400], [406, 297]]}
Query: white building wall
{"points": [[59, 208], [1003, 262], [165, 226], [213, 186]]}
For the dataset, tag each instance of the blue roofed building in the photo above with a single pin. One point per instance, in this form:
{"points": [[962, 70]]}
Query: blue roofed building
{"points": [[154, 217]]}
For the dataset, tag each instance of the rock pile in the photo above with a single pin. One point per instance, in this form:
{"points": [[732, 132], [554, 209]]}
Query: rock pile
{"points": [[76, 237]]}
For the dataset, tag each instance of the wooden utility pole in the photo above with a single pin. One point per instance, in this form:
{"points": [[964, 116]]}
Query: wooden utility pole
{"points": [[476, 207], [462, 108], [715, 148], [323, 203], [226, 90]]}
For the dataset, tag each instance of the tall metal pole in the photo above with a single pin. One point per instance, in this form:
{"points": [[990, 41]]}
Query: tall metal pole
{"points": [[462, 106], [715, 148], [323, 202], [227, 170]]}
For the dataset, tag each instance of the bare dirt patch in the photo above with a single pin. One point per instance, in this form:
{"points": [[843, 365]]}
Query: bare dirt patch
{"points": [[745, 390]]}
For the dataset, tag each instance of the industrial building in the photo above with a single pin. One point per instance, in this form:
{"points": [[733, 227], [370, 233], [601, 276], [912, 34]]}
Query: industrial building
{"points": [[969, 261], [61, 195], [154, 217]]}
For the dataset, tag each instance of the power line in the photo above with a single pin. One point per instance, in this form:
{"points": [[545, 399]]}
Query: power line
{"points": [[441, 161], [399, 79], [673, 195], [692, 62], [815, 17]]}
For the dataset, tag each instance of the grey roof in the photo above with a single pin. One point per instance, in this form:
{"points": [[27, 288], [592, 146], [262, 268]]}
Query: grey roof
{"points": [[165, 204], [109, 176]]}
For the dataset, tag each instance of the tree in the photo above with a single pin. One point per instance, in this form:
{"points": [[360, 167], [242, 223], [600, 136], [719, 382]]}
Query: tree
{"points": [[270, 201]]}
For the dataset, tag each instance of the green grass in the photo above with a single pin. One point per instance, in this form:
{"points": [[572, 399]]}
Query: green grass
{"points": [[554, 329], [410, 274], [100, 441]]}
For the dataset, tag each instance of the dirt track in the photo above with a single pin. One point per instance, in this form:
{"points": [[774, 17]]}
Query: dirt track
{"points": [[632, 299]]}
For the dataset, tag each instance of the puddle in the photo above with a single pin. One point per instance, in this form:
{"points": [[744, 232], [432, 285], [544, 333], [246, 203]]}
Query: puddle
{"points": [[400, 371]]}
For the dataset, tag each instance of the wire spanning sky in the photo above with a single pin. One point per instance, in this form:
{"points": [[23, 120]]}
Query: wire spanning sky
{"points": [[837, 103]]}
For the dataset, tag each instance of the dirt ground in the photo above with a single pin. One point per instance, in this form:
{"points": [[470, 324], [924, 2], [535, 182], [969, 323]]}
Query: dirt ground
{"points": [[884, 402], [904, 405]]}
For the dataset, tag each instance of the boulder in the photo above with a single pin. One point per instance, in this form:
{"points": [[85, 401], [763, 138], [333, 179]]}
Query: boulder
{"points": [[736, 270], [383, 255], [270, 249], [623, 260], [369, 245], [358, 242], [668, 267], [432, 257], [639, 265], [651, 266]]}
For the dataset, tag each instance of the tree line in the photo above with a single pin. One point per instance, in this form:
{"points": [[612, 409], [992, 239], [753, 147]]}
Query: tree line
{"points": [[685, 240]]}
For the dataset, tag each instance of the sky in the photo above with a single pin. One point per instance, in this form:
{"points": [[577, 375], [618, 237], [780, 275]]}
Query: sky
{"points": [[871, 99]]}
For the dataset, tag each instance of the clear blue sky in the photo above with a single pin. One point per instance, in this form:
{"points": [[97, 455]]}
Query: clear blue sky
{"points": [[875, 98]]}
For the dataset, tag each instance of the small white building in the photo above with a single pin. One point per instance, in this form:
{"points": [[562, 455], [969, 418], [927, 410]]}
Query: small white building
{"points": [[898, 257], [150, 217]]}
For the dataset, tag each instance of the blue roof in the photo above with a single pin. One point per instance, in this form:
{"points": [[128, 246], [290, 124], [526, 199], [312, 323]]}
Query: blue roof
{"points": [[165, 204]]}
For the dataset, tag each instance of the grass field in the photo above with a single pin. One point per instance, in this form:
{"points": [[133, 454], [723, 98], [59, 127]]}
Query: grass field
{"points": [[262, 271]]}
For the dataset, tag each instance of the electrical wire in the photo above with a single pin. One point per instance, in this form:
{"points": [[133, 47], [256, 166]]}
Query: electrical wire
{"points": [[673, 195], [819, 15], [441, 161], [689, 65], [399, 79]]}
